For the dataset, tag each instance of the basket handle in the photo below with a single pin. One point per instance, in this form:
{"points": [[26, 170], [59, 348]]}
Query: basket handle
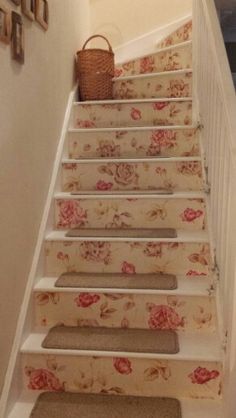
{"points": [[98, 36]]}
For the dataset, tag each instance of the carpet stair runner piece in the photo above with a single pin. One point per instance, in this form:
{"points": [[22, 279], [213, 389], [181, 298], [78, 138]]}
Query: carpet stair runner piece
{"points": [[124, 315], [61, 405], [117, 280], [105, 339]]}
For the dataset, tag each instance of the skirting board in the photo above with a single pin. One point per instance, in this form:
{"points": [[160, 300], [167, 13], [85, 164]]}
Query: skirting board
{"points": [[147, 43]]}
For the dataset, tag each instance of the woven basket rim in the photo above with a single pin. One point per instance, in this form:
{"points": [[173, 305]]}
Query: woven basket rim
{"points": [[95, 49]]}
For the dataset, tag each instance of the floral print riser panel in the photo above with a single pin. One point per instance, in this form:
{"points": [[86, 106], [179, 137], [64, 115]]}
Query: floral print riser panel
{"points": [[178, 258], [133, 144], [188, 214], [132, 114], [183, 34], [122, 376], [179, 58], [189, 313], [183, 175], [168, 85]]}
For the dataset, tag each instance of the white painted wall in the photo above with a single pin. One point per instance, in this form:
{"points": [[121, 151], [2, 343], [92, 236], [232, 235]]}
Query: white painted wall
{"points": [[124, 20], [33, 99]]}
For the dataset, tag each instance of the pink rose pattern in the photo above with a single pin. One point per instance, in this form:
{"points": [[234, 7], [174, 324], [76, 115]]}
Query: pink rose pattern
{"points": [[176, 143], [201, 375], [128, 268], [124, 376], [71, 214], [125, 114], [164, 317], [173, 59], [42, 379], [185, 175], [84, 300], [99, 252], [122, 365], [190, 215], [180, 35]]}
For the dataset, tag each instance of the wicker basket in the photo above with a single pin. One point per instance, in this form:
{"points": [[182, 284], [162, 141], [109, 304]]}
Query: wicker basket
{"points": [[95, 68]]}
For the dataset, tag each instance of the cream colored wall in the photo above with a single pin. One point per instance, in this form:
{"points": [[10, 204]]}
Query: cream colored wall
{"points": [[33, 99], [124, 20]]}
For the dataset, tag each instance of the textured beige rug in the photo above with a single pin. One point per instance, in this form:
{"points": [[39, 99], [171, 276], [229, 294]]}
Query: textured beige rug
{"points": [[123, 233], [72, 405], [118, 281], [112, 339]]}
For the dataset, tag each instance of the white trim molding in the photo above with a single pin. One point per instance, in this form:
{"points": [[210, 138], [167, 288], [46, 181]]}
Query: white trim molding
{"points": [[147, 43]]}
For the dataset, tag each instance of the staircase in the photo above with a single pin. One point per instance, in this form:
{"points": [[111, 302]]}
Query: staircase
{"points": [[126, 303]]}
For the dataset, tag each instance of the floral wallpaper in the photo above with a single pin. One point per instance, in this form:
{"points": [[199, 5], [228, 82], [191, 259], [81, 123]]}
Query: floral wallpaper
{"points": [[147, 175], [187, 214], [178, 258], [182, 34], [190, 313], [168, 85], [178, 58], [131, 144], [132, 114], [122, 376]]}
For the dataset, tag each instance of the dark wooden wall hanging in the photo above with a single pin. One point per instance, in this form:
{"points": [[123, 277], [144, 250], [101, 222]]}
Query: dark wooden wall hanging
{"points": [[42, 13], [5, 25], [17, 38]]}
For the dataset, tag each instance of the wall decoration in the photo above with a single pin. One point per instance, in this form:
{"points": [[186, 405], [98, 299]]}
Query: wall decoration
{"points": [[28, 8], [17, 38], [17, 2], [5, 27], [42, 13]]}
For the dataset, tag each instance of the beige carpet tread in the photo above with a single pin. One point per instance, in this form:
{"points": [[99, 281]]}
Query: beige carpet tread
{"points": [[112, 339], [73, 405], [118, 281], [129, 233], [123, 192]]}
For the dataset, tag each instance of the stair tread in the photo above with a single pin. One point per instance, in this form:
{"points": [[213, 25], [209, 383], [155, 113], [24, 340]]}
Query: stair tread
{"points": [[182, 236], [134, 128], [73, 405], [116, 281], [159, 194], [125, 232], [130, 101], [193, 346], [196, 286], [112, 339], [130, 160], [191, 408], [153, 75]]}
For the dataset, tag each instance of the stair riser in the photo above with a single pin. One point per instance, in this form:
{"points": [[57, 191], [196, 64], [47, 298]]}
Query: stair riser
{"points": [[187, 214], [183, 34], [132, 114], [128, 376], [143, 257], [169, 85], [133, 144], [185, 313], [147, 175], [173, 59]]}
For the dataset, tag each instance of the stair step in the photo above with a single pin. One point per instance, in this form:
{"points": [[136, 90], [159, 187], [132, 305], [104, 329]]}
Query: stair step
{"points": [[191, 408], [182, 34], [133, 142], [126, 232], [112, 339], [62, 405], [176, 174], [118, 281], [186, 211], [189, 307], [173, 57], [116, 113], [154, 85]]}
